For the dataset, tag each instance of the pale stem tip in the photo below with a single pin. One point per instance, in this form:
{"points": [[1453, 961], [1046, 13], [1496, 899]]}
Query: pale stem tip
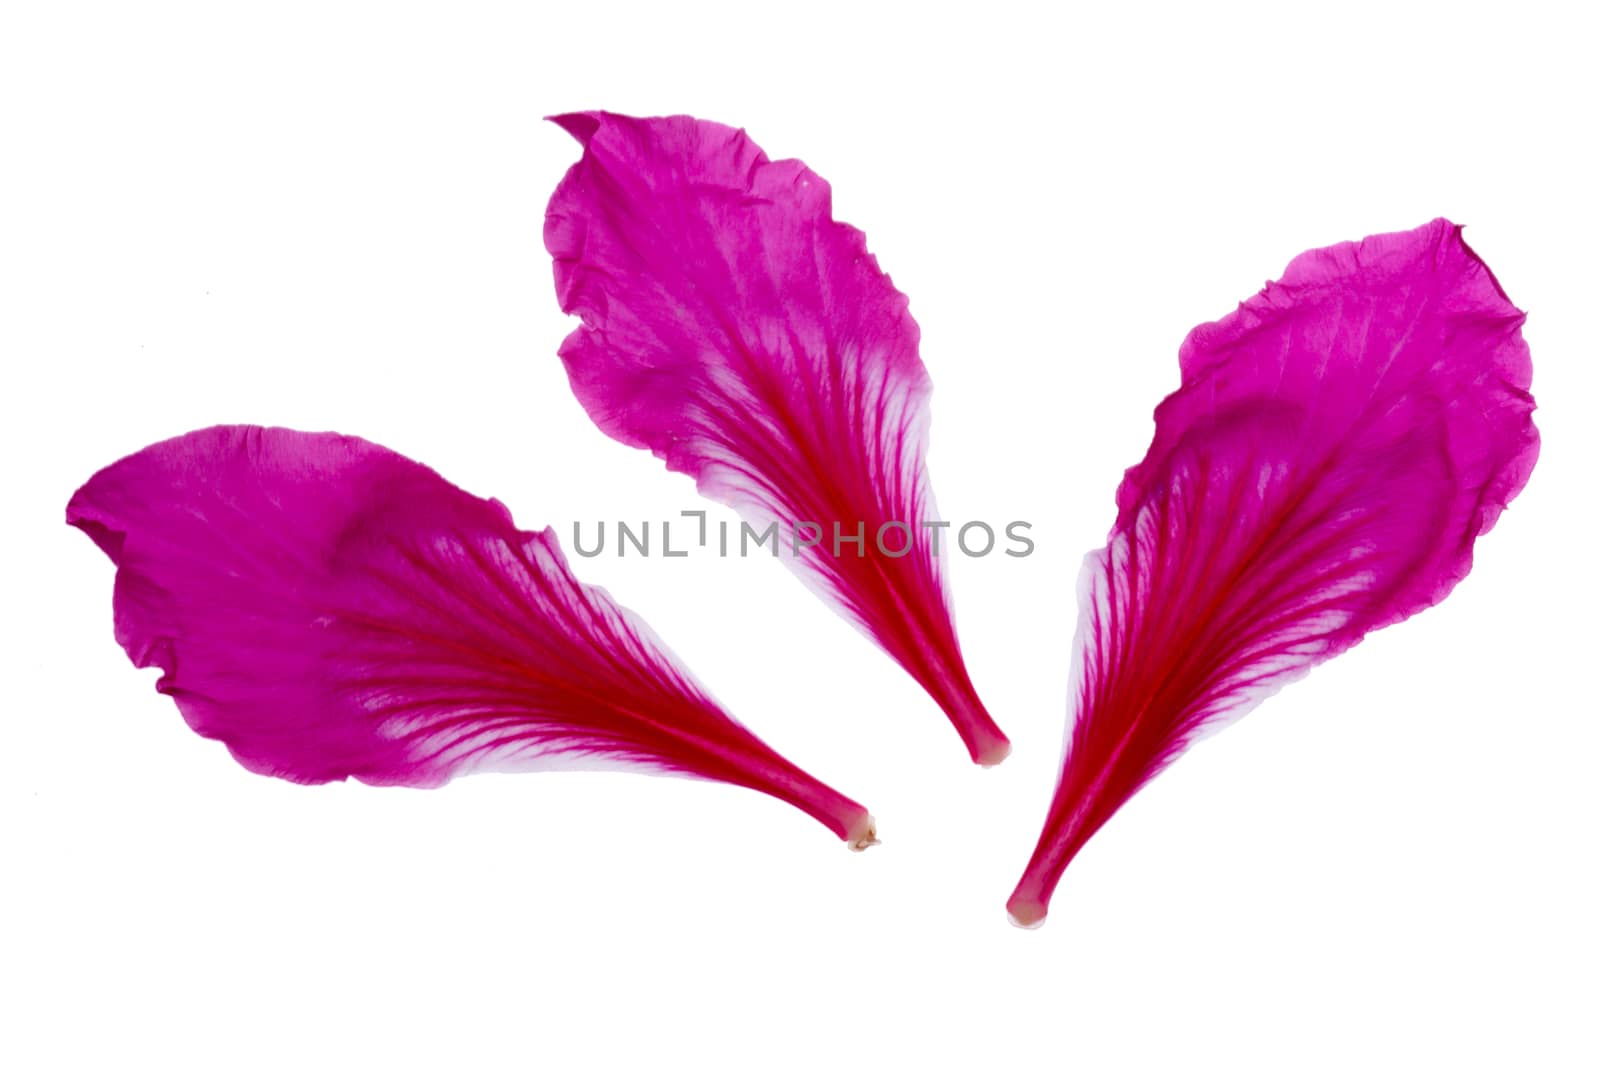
{"points": [[994, 754], [1028, 915], [866, 838]]}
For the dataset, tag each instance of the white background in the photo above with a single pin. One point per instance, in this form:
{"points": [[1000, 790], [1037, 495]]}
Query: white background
{"points": [[329, 218]]}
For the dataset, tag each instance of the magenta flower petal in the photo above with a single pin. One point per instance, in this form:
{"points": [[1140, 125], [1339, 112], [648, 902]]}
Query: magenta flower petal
{"points": [[1335, 448], [733, 328], [330, 609]]}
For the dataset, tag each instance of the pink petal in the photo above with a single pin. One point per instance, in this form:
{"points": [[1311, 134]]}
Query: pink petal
{"points": [[1335, 448], [734, 329], [330, 609]]}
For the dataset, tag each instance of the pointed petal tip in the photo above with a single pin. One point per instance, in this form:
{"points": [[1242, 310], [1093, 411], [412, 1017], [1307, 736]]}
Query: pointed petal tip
{"points": [[106, 538], [582, 125]]}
